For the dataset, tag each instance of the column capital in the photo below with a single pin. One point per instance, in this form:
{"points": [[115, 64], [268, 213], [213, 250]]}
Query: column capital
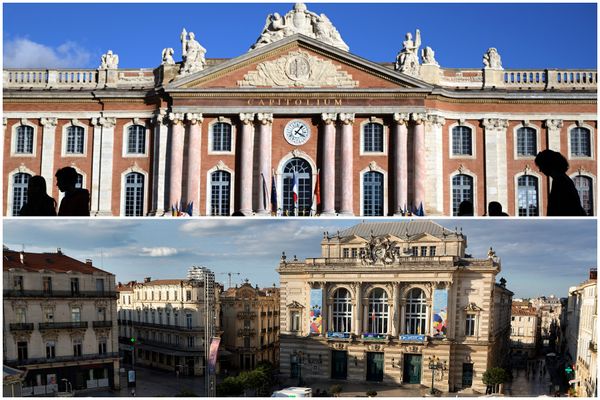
{"points": [[495, 123], [553, 124], [401, 118], [328, 118], [246, 118], [265, 118], [346, 118], [105, 122], [159, 116], [419, 118], [4, 121], [435, 119], [48, 122], [176, 118], [194, 118]]}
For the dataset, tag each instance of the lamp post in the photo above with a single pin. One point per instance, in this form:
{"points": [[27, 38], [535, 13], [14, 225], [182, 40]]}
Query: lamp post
{"points": [[434, 365], [67, 385]]}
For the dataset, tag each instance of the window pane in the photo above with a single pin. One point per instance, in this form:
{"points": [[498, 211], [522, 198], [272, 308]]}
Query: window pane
{"points": [[221, 135], [580, 142], [75, 140], [462, 190], [373, 137], [373, 194], [416, 312], [526, 142], [583, 184], [24, 140], [220, 193], [461, 140], [304, 176], [527, 196], [20, 182], [134, 194], [136, 139], [342, 311]]}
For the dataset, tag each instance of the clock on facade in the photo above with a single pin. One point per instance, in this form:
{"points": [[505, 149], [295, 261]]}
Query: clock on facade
{"points": [[296, 132]]}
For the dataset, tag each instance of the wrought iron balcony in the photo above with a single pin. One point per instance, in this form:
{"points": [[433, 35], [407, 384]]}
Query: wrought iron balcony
{"points": [[246, 332], [60, 293], [168, 327], [169, 346], [246, 314], [28, 326], [84, 357], [102, 324], [43, 326]]}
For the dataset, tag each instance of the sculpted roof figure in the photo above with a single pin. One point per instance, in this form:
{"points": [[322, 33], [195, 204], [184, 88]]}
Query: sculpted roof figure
{"points": [[299, 20], [492, 60], [109, 61], [192, 52], [407, 60]]}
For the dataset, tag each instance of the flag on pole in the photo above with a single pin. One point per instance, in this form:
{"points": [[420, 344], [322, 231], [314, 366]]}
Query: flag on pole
{"points": [[420, 211], [190, 208], [295, 187], [265, 191], [273, 195], [317, 194]]}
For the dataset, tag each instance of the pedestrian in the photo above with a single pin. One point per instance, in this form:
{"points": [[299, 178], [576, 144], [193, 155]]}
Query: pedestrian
{"points": [[76, 202], [38, 204], [133, 392], [495, 210], [465, 209], [563, 199]]}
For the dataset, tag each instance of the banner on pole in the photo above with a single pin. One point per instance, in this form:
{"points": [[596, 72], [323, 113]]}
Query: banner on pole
{"points": [[440, 313], [316, 311], [212, 354]]}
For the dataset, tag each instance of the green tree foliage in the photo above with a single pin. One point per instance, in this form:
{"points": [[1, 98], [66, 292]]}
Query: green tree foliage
{"points": [[495, 376]]}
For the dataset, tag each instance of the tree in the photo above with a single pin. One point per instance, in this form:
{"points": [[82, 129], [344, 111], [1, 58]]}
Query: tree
{"points": [[495, 376], [335, 390]]}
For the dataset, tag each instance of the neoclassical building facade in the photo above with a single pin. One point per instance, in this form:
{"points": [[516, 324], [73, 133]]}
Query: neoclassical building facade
{"points": [[355, 136], [382, 299]]}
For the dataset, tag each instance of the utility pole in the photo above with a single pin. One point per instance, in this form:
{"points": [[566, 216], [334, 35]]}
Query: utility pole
{"points": [[229, 277]]}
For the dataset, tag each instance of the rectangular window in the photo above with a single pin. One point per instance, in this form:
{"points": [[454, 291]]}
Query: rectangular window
{"points": [[247, 341], [102, 346], [354, 252], [77, 348], [20, 315], [415, 251], [50, 350], [373, 138], [75, 314], [188, 320], [470, 325], [167, 295], [168, 318], [101, 314], [295, 319], [74, 286], [461, 141], [188, 295], [190, 341], [175, 295], [22, 351], [346, 253], [47, 285], [100, 285], [431, 251], [423, 251], [18, 283]]}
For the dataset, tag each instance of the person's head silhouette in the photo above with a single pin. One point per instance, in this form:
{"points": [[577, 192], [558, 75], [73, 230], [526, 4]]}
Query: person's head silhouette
{"points": [[465, 208], [36, 188], [66, 179], [495, 209], [551, 163]]}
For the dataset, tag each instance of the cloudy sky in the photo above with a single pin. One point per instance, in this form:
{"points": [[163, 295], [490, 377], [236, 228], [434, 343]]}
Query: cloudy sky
{"points": [[75, 35], [539, 257]]}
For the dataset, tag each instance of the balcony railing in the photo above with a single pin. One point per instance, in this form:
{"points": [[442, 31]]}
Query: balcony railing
{"points": [[170, 327], [170, 346], [246, 314], [102, 324], [60, 293], [84, 357], [62, 325], [21, 327], [246, 332]]}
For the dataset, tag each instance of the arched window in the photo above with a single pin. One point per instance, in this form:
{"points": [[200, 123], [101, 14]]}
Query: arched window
{"points": [[526, 142], [583, 184], [372, 194], [303, 173], [342, 311], [378, 311], [24, 140], [373, 137], [527, 192], [580, 142], [75, 138], [462, 190], [136, 139], [416, 312], [461, 141], [19, 190], [221, 137], [134, 194], [220, 193]]}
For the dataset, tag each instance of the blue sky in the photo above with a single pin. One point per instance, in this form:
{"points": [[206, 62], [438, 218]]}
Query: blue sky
{"points": [[76, 35], [539, 257]]}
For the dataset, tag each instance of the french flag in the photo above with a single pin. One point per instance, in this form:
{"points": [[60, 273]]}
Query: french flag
{"points": [[295, 187]]}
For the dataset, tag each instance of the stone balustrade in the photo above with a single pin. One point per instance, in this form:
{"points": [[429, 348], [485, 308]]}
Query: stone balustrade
{"points": [[76, 79]]}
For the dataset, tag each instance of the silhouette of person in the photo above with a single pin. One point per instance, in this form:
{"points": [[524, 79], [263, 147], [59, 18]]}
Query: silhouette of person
{"points": [[465, 209], [495, 210], [76, 202], [39, 204], [563, 199]]}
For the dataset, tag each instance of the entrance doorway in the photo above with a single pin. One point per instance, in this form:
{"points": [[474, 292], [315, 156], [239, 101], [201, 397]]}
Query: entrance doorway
{"points": [[375, 367], [339, 364], [412, 368], [467, 375]]}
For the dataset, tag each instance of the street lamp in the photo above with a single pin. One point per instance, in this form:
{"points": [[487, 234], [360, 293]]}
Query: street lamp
{"points": [[434, 365], [67, 385]]}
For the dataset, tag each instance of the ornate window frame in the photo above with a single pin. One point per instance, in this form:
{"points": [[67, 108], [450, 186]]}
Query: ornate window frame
{"points": [[537, 130], [385, 137], [145, 200], [463, 171], [211, 124], [587, 174], [13, 142], [220, 166], [374, 167], [86, 130], [125, 146], [541, 205], [581, 124], [473, 129], [10, 187]]}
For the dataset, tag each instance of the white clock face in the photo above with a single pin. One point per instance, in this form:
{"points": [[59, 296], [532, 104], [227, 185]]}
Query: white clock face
{"points": [[296, 132]]}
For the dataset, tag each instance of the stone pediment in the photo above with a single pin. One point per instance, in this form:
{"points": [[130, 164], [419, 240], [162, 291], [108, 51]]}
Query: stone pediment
{"points": [[426, 237], [294, 304], [298, 62]]}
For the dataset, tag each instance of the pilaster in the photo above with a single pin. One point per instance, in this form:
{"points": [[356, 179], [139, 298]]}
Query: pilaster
{"points": [[347, 121], [96, 158], [420, 166], [161, 136], [265, 139], [48, 148], [554, 126], [434, 155], [176, 164], [495, 161], [400, 162], [328, 186], [194, 159], [357, 286], [247, 150]]}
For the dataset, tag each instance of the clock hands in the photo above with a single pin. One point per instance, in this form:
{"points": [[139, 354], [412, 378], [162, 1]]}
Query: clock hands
{"points": [[297, 132]]}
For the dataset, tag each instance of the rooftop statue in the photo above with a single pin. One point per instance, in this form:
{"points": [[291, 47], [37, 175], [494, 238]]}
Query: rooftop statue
{"points": [[299, 20], [192, 52], [407, 60], [492, 60], [428, 56], [109, 61], [167, 56]]}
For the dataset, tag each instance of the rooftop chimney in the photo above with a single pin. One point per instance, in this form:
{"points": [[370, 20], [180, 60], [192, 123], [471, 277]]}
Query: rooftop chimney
{"points": [[58, 250], [88, 261], [147, 279], [593, 274]]}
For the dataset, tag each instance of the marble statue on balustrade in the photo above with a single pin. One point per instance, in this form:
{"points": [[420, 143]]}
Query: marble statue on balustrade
{"points": [[109, 61], [299, 21], [428, 56], [407, 60], [492, 60], [167, 56], [193, 53]]}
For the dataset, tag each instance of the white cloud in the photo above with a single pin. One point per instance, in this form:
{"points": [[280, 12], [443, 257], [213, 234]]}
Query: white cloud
{"points": [[24, 53], [159, 251]]}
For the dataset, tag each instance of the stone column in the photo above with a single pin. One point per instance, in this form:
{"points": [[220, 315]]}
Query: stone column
{"points": [[554, 126], [328, 186], [347, 121], [402, 306], [176, 170], [324, 310], [420, 167], [495, 161], [264, 163], [434, 197], [247, 149], [106, 165], [96, 158], [358, 311], [161, 135], [396, 309], [400, 162], [47, 159], [193, 166]]}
